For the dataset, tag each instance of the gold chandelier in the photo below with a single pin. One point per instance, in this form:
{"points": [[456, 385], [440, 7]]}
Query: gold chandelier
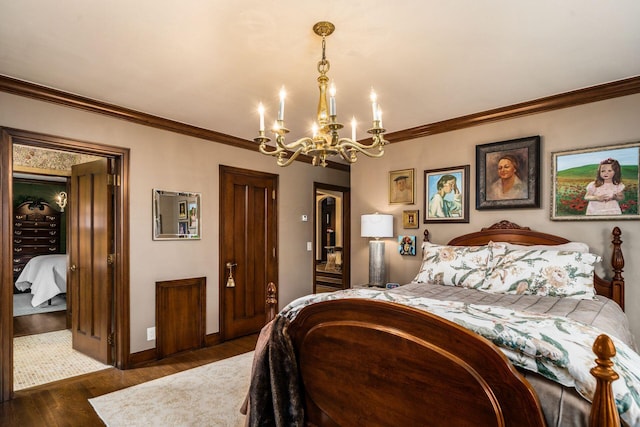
{"points": [[325, 140]]}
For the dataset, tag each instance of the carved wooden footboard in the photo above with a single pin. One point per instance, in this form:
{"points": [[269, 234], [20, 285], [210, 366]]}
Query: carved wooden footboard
{"points": [[403, 366]]}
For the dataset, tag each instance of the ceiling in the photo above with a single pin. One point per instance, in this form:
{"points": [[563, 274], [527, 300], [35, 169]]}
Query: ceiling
{"points": [[209, 63]]}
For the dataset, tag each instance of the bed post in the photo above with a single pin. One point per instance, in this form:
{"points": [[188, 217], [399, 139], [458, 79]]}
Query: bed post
{"points": [[617, 263], [271, 302], [604, 412]]}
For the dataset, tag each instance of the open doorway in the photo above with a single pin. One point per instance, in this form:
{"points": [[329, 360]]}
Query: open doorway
{"points": [[117, 302], [332, 237]]}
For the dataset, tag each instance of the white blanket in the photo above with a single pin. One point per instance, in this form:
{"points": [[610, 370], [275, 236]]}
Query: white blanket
{"points": [[46, 275]]}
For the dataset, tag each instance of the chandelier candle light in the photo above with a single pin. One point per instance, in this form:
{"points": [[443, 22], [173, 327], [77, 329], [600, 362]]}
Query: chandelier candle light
{"points": [[325, 140]]}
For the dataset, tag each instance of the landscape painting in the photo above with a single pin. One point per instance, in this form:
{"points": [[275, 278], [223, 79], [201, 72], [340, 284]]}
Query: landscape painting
{"points": [[596, 184]]}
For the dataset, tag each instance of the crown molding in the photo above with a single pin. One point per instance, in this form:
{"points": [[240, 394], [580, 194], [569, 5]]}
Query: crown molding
{"points": [[629, 86], [601, 92], [43, 93]]}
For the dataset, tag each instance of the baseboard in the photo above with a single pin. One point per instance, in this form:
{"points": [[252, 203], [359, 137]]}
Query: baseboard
{"points": [[142, 357], [212, 339], [145, 356]]}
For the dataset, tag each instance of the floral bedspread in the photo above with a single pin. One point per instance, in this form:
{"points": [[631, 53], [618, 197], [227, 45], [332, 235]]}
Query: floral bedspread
{"points": [[555, 347]]}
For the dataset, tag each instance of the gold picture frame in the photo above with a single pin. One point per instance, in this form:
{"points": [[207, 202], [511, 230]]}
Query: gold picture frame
{"points": [[576, 193], [182, 209], [411, 218], [402, 187]]}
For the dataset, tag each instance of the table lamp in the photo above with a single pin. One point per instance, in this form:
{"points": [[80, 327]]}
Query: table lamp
{"points": [[376, 226]]}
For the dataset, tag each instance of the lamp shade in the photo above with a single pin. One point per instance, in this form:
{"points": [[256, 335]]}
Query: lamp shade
{"points": [[376, 225]]}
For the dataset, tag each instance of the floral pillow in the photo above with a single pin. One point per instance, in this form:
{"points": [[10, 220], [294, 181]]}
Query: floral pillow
{"points": [[464, 266], [541, 272], [571, 246]]}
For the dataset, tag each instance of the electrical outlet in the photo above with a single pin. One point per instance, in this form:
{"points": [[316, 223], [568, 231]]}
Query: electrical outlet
{"points": [[151, 333]]}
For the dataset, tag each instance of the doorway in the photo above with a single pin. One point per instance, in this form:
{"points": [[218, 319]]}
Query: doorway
{"points": [[332, 237], [119, 320]]}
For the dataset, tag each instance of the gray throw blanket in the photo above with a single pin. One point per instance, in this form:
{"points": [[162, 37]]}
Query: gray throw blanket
{"points": [[275, 397]]}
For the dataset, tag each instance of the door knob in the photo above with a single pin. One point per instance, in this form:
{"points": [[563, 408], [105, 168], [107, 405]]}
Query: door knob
{"points": [[230, 282], [73, 267]]}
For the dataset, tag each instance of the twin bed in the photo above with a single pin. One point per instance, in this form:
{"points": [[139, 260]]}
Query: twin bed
{"points": [[488, 333]]}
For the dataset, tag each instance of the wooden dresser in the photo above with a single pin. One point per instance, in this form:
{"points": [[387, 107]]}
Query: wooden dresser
{"points": [[36, 231]]}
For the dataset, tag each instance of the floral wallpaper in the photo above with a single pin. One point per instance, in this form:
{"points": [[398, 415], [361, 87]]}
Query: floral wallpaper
{"points": [[42, 158]]}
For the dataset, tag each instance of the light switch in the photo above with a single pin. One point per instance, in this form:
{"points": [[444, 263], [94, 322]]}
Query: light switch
{"points": [[309, 247], [305, 218]]}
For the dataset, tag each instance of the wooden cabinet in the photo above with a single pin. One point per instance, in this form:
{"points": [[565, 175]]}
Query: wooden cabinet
{"points": [[36, 231]]}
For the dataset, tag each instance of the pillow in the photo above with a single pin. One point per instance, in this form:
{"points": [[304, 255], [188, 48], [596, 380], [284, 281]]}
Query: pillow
{"points": [[540, 272], [453, 265], [571, 246]]}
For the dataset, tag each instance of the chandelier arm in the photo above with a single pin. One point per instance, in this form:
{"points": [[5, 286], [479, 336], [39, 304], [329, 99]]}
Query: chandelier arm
{"points": [[374, 155], [347, 157], [302, 143], [276, 150], [348, 146], [349, 143], [286, 161]]}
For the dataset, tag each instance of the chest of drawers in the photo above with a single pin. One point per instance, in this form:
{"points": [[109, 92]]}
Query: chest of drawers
{"points": [[36, 231]]}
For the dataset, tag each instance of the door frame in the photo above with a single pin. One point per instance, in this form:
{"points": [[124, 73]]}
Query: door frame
{"points": [[121, 320], [346, 231]]}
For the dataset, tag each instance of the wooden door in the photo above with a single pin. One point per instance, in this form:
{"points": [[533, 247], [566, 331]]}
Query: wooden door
{"points": [[90, 262], [248, 245]]}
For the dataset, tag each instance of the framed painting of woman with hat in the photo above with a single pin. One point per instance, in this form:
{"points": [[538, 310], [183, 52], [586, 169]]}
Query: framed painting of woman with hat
{"points": [[401, 187]]}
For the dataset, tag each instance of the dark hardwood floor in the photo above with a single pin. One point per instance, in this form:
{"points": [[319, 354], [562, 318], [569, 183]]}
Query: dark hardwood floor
{"points": [[39, 323], [65, 402]]}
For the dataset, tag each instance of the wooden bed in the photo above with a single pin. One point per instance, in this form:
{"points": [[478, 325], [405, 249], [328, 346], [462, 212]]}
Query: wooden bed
{"points": [[390, 355]]}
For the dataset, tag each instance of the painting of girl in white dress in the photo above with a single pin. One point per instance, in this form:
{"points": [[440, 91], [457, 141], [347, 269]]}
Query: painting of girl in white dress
{"points": [[598, 183]]}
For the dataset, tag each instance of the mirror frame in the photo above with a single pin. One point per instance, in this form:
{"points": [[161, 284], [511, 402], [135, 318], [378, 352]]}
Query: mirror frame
{"points": [[192, 232]]}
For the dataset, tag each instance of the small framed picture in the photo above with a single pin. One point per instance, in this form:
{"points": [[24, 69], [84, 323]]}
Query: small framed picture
{"points": [[183, 227], [401, 187], [410, 219], [596, 183], [193, 214], [508, 174], [182, 209], [407, 245], [446, 194]]}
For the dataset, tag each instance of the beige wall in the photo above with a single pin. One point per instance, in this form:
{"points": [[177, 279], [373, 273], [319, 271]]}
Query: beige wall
{"points": [[602, 123], [170, 161]]}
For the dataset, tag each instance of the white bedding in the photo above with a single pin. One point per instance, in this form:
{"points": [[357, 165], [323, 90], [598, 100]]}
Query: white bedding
{"points": [[46, 276]]}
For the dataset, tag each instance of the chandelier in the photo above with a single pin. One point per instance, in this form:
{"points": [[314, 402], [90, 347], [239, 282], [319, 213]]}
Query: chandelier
{"points": [[325, 140]]}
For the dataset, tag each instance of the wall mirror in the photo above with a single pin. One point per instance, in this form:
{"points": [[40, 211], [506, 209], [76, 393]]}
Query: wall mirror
{"points": [[176, 215], [331, 215]]}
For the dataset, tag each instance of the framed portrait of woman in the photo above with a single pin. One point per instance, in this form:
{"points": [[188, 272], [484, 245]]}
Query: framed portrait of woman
{"points": [[446, 196], [508, 174]]}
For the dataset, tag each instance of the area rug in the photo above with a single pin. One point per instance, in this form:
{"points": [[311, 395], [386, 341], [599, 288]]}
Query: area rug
{"points": [[209, 395], [22, 305], [43, 358]]}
